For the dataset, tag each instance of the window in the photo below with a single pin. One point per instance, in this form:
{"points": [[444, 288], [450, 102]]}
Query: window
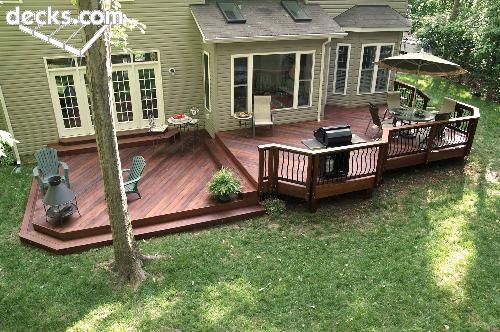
{"points": [[240, 85], [206, 79], [123, 97], [341, 69], [231, 12], [305, 79], [149, 100], [274, 75], [287, 78], [296, 11], [372, 79]]}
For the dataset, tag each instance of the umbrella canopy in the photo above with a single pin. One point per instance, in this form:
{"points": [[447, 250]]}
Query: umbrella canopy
{"points": [[421, 63]]}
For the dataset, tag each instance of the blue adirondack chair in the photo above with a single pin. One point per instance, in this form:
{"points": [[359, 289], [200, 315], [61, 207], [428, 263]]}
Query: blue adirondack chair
{"points": [[134, 174], [48, 166]]}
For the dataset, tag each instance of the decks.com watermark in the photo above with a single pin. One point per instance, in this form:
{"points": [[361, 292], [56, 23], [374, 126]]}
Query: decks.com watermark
{"points": [[63, 17]]}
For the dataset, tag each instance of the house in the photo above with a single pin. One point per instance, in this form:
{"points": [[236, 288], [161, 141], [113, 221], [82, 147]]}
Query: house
{"points": [[212, 54]]}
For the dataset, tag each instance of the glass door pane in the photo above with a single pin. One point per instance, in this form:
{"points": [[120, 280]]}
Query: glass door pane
{"points": [[367, 65], [122, 96], [149, 99], [68, 101], [383, 74]]}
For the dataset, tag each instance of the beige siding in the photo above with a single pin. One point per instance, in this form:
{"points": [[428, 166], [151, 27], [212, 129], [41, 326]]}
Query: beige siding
{"points": [[335, 7], [357, 40], [223, 70], [170, 28]]}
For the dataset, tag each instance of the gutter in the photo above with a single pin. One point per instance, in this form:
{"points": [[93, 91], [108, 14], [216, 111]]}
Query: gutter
{"points": [[276, 38], [9, 127], [322, 76]]}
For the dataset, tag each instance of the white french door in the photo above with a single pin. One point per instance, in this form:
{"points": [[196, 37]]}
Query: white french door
{"points": [[70, 103], [137, 96]]}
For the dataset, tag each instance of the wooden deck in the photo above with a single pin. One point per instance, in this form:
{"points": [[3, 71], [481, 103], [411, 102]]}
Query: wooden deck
{"points": [[174, 191], [243, 147]]}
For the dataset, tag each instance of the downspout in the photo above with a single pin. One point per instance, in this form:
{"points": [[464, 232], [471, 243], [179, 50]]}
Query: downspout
{"points": [[321, 76], [9, 127]]}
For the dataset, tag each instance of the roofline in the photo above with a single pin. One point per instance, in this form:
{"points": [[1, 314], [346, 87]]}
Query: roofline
{"points": [[275, 38], [197, 24], [375, 29]]}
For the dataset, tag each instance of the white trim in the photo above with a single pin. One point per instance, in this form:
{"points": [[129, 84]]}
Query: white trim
{"points": [[376, 29], [375, 67], [209, 82], [346, 69], [9, 125], [250, 56], [275, 38], [321, 76], [198, 25]]}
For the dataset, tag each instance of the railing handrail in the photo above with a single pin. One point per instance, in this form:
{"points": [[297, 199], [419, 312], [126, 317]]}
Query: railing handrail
{"points": [[306, 152]]}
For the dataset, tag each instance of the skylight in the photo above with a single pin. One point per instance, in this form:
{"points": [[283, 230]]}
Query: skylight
{"points": [[231, 12], [296, 11]]}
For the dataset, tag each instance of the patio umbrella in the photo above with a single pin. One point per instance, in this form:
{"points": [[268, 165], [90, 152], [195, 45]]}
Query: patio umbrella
{"points": [[421, 63]]}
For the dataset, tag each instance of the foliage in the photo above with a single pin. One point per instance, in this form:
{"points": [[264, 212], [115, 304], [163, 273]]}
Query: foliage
{"points": [[8, 158], [224, 184], [275, 207], [421, 255], [6, 141], [471, 40]]}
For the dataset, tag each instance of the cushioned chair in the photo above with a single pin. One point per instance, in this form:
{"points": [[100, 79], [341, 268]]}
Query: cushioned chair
{"points": [[262, 115], [134, 174], [448, 106], [48, 165], [393, 101]]}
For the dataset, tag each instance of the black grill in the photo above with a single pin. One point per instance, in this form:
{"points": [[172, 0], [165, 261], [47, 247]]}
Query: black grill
{"points": [[334, 135]]}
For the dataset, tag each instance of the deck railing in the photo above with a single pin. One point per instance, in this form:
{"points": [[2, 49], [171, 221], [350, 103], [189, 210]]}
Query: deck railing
{"points": [[315, 174], [407, 91]]}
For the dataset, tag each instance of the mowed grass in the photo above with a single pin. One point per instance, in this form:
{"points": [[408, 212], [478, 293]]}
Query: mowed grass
{"points": [[422, 254]]}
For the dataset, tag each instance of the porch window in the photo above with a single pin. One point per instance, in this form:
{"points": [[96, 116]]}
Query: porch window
{"points": [[342, 65], [274, 75], [371, 78], [206, 79], [286, 77], [240, 82]]}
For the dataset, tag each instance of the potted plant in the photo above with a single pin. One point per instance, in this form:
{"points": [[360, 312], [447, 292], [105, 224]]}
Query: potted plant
{"points": [[224, 185]]}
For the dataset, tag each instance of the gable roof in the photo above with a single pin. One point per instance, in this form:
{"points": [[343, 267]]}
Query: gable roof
{"points": [[265, 20], [366, 18]]}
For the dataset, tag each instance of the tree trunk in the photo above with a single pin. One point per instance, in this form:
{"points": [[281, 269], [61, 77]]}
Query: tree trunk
{"points": [[455, 10], [128, 264]]}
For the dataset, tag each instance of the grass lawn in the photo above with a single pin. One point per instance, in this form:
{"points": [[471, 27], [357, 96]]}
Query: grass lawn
{"points": [[422, 254]]}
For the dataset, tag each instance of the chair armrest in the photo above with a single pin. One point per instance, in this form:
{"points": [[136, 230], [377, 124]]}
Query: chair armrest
{"points": [[126, 170], [64, 165], [132, 181], [66, 171], [36, 172]]}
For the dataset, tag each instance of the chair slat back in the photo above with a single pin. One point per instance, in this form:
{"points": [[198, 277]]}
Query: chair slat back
{"points": [[136, 169], [47, 161], [262, 108], [448, 105], [374, 114], [394, 99]]}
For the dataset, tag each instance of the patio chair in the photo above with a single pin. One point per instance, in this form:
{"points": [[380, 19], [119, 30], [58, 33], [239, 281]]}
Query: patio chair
{"points": [[393, 101], [441, 128], [448, 106], [262, 115], [375, 119], [134, 174], [48, 165]]}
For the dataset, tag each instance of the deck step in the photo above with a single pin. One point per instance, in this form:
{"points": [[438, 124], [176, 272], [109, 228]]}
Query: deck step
{"points": [[31, 236], [223, 158], [141, 137]]}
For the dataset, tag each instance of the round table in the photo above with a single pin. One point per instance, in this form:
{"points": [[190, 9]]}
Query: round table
{"points": [[408, 114], [180, 123]]}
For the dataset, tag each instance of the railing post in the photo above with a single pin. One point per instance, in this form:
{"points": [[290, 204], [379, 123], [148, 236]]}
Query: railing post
{"points": [[470, 135], [273, 167], [313, 206], [260, 183], [382, 157], [430, 141]]}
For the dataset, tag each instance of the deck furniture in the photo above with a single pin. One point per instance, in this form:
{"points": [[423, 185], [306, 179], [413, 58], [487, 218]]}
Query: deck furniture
{"points": [[134, 174], [157, 130], [448, 106], [48, 165], [262, 115], [59, 202], [375, 119], [393, 101]]}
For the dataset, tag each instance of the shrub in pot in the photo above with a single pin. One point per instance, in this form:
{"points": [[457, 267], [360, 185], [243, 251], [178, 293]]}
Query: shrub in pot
{"points": [[224, 185]]}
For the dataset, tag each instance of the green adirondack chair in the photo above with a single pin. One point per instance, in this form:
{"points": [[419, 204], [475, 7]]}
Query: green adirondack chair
{"points": [[134, 174], [48, 166]]}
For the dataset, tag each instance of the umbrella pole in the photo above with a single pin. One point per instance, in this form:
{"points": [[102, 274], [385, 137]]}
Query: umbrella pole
{"points": [[414, 101]]}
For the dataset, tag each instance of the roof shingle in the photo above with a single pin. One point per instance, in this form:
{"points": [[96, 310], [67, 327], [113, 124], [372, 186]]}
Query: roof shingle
{"points": [[372, 17]]}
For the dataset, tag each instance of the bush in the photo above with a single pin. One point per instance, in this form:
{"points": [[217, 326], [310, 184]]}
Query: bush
{"points": [[9, 159], [224, 184], [274, 207]]}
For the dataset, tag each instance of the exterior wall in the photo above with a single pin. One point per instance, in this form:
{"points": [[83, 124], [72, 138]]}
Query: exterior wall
{"points": [[352, 98], [336, 7], [224, 120], [211, 116], [170, 29]]}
